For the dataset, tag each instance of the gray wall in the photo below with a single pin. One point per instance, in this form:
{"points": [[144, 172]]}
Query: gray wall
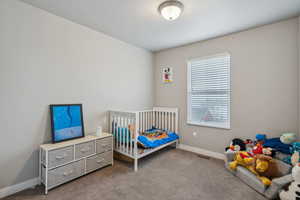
{"points": [[45, 59], [264, 83]]}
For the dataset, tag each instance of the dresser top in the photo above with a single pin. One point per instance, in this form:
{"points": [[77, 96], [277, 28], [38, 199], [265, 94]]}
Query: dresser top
{"points": [[87, 138]]}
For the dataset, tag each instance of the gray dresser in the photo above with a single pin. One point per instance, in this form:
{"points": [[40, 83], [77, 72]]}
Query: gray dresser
{"points": [[62, 162]]}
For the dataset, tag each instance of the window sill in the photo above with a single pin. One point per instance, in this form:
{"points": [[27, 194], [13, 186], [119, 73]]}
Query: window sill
{"points": [[208, 126]]}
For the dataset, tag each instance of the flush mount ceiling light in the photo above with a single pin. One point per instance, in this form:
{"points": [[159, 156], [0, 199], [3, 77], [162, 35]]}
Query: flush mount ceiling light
{"points": [[170, 10]]}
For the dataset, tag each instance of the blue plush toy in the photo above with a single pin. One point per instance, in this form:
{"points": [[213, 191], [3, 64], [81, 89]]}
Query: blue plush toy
{"points": [[295, 147], [260, 137]]}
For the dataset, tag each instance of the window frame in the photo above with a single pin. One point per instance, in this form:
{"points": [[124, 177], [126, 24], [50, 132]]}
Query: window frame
{"points": [[189, 88]]}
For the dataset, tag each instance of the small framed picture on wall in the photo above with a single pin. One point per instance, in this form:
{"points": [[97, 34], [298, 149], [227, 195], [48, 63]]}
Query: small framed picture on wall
{"points": [[167, 74]]}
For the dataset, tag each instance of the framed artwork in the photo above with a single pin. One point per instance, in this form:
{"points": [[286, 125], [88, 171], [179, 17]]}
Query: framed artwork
{"points": [[167, 75], [66, 122]]}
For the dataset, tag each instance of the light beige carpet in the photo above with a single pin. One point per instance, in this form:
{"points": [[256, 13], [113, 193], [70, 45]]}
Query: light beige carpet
{"points": [[170, 174]]}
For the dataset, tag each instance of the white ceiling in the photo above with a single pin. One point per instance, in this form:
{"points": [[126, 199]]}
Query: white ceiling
{"points": [[138, 22]]}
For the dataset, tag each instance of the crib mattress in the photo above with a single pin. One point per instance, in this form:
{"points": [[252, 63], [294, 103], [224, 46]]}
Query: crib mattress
{"points": [[153, 143]]}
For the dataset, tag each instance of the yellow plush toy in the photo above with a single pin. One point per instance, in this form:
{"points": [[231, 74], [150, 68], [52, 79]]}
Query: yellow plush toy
{"points": [[257, 164]]}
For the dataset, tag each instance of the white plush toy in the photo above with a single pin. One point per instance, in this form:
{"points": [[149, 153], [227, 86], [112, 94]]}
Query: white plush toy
{"points": [[293, 192]]}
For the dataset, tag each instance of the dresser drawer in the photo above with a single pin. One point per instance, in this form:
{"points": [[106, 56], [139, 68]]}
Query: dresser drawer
{"points": [[103, 145], [65, 173], [98, 161], [84, 149], [60, 156]]}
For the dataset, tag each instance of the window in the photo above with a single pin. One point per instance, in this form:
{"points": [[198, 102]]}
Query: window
{"points": [[209, 91]]}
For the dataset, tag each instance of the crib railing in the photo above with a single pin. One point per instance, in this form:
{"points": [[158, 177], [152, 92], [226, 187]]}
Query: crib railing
{"points": [[162, 118], [122, 126], [127, 126], [166, 118], [145, 120]]}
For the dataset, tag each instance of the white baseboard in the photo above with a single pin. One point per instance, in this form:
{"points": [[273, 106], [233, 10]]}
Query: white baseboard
{"points": [[204, 152], [9, 190]]}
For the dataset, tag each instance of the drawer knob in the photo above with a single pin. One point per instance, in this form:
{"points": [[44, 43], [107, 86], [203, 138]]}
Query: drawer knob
{"points": [[60, 157], [84, 150], [100, 161], [68, 173]]}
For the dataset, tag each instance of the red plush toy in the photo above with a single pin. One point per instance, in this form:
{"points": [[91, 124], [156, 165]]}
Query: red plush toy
{"points": [[258, 148]]}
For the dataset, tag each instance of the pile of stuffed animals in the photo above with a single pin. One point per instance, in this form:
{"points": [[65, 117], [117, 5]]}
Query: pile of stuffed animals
{"points": [[257, 156]]}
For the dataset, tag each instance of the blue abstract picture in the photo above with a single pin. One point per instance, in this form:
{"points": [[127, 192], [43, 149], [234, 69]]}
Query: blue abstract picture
{"points": [[67, 122]]}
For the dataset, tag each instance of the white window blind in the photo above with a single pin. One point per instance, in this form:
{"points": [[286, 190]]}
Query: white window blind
{"points": [[209, 91]]}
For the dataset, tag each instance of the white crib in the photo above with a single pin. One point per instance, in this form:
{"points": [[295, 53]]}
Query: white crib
{"points": [[136, 123]]}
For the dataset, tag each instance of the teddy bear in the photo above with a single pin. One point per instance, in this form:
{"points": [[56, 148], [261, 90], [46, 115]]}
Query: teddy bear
{"points": [[294, 189]]}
